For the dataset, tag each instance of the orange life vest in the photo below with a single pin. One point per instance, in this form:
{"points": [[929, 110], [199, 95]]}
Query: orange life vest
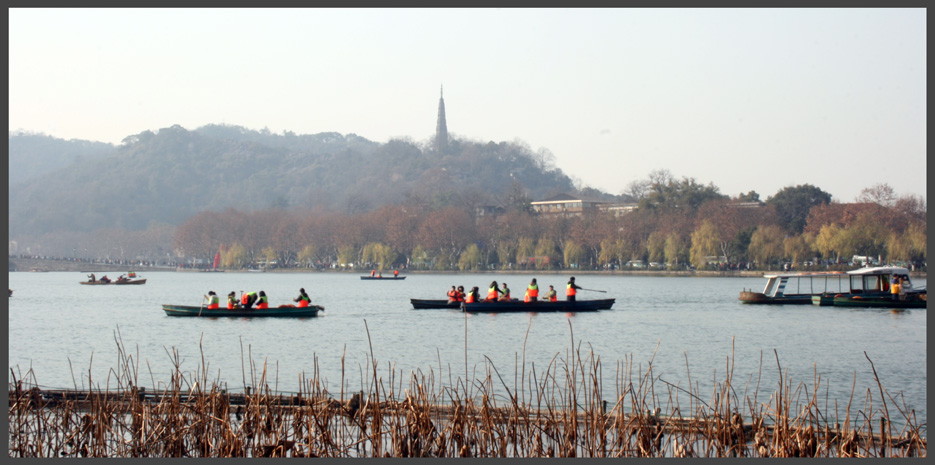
{"points": [[533, 290], [570, 289], [526, 297], [492, 293], [469, 299]]}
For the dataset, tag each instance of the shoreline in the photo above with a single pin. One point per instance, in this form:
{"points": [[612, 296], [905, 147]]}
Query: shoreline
{"points": [[34, 265]]}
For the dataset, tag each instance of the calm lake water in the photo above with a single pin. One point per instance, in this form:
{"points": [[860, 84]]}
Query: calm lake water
{"points": [[687, 326]]}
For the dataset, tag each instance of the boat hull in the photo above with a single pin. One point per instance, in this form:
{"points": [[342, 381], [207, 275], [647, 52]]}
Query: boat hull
{"points": [[388, 278], [539, 306], [192, 311], [749, 297], [422, 304], [881, 301], [129, 281]]}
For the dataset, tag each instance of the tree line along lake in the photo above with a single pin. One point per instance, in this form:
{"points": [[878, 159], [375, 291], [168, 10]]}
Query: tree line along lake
{"points": [[682, 330]]}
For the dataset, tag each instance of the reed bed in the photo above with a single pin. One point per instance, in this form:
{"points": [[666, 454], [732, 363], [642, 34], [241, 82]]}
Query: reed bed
{"points": [[560, 411]]}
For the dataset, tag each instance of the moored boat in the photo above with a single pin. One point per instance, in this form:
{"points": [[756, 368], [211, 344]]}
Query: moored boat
{"points": [[796, 288], [283, 311], [539, 306], [870, 287]]}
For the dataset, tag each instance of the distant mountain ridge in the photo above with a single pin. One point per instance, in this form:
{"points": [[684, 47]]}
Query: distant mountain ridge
{"points": [[167, 176]]}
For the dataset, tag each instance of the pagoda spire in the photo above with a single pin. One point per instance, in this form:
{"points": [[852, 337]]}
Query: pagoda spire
{"points": [[441, 127]]}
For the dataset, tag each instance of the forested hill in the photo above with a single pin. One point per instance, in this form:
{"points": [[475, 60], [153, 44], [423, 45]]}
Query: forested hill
{"points": [[167, 176]]}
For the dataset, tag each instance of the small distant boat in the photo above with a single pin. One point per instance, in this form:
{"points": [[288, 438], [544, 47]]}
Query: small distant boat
{"points": [[391, 278], [539, 306], [285, 311], [116, 281]]}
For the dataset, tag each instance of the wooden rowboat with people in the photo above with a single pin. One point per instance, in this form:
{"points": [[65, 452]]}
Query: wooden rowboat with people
{"points": [[539, 306], [281, 311]]}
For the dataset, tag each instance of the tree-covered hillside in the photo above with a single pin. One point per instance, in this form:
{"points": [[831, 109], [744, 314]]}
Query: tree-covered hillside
{"points": [[167, 176]]}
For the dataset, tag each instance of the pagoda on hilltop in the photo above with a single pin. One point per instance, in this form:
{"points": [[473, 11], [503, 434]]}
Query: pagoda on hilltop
{"points": [[441, 127]]}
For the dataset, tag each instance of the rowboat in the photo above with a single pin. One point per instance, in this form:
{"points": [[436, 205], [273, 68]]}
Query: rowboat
{"points": [[383, 277], [917, 300], [538, 306], [421, 304], [116, 281], [796, 288], [187, 310]]}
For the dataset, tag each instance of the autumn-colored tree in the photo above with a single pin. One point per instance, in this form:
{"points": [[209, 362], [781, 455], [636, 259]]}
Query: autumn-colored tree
{"points": [[545, 254], [674, 249], [705, 241], [347, 256], [608, 251], [525, 251], [234, 257], [827, 242], [865, 236], [574, 254], [506, 251], [655, 246], [307, 255], [470, 258], [766, 245], [798, 248]]}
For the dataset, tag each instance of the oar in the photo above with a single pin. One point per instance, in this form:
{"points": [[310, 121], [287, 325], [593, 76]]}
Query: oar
{"points": [[594, 290], [202, 304]]}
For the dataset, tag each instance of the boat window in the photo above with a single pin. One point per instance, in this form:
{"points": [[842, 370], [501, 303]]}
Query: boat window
{"points": [[872, 283], [857, 283]]}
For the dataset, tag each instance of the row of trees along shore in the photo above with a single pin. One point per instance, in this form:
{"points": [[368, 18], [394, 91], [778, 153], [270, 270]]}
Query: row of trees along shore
{"points": [[677, 222]]}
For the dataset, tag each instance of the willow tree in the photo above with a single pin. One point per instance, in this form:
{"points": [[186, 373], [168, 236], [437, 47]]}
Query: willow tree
{"points": [[798, 247], [674, 249], [234, 256], [574, 253], [766, 244], [608, 252], [470, 259], [506, 250], [827, 241], [705, 242], [347, 255], [307, 254], [545, 252], [525, 251], [655, 246]]}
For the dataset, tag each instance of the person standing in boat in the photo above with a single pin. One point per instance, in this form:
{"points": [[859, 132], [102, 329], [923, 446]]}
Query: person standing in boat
{"points": [[552, 295], [571, 290], [303, 299], [894, 288], [263, 302], [396, 273], [213, 301], [532, 291]]}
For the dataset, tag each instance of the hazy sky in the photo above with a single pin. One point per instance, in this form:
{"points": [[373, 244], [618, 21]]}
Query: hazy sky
{"points": [[746, 99]]}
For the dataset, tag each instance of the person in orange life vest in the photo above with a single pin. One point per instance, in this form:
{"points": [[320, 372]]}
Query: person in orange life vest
{"points": [[231, 301], [213, 302], [262, 302], [506, 294], [373, 273], [396, 273], [247, 299], [532, 292], [460, 294], [473, 296], [452, 295], [571, 289], [493, 292], [552, 295], [303, 299]]}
